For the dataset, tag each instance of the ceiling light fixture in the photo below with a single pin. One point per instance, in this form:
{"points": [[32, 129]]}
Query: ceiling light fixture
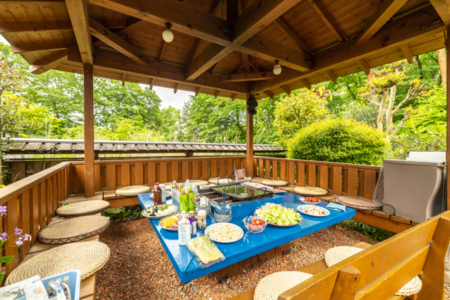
{"points": [[167, 33], [277, 68]]}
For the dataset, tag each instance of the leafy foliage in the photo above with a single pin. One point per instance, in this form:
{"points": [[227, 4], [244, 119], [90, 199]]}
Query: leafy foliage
{"points": [[123, 213], [372, 233], [338, 140]]}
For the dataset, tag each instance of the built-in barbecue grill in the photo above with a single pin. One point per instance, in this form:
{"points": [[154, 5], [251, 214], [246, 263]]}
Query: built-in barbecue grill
{"points": [[234, 194]]}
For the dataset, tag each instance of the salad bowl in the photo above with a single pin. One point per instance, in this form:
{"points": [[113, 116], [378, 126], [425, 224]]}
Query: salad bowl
{"points": [[278, 215]]}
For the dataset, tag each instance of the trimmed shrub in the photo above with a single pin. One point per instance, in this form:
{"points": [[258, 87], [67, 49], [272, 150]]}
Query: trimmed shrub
{"points": [[339, 140]]}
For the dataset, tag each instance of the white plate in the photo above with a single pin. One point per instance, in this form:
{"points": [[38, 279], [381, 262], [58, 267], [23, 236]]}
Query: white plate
{"points": [[145, 214], [327, 212], [310, 203], [222, 224]]}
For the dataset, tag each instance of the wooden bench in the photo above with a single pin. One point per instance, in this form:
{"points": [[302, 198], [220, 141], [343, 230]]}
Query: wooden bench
{"points": [[381, 270]]}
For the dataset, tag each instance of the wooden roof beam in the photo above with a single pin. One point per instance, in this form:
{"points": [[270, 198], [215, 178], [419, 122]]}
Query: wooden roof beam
{"points": [[407, 53], [163, 50], [416, 25], [269, 94], [245, 62], [233, 97], [78, 14], [443, 9], [255, 76], [326, 19], [285, 89], [175, 89], [34, 26], [197, 91], [384, 12], [300, 43], [216, 94], [305, 83], [151, 83], [259, 15], [114, 41], [124, 78], [363, 65], [117, 62], [330, 75], [49, 63], [46, 46]]}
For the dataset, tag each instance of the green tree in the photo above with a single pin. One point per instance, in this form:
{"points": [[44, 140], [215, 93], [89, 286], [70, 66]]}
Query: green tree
{"points": [[297, 111], [171, 123], [339, 140]]}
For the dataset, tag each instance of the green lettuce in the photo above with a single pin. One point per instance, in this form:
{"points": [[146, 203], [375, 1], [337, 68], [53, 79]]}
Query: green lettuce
{"points": [[280, 215]]}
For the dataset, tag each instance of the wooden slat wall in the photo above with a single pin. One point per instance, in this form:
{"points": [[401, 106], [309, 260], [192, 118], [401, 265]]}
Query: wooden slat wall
{"points": [[338, 178], [115, 174], [31, 204]]}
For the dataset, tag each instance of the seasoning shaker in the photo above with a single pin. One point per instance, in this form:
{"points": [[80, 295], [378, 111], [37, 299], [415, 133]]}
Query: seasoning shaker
{"points": [[201, 219], [205, 205], [163, 193]]}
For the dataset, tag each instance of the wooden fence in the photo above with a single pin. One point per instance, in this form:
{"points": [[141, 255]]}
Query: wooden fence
{"points": [[337, 178], [31, 204], [110, 175]]}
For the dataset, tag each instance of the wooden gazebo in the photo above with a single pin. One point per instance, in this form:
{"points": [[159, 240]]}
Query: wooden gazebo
{"points": [[221, 47]]}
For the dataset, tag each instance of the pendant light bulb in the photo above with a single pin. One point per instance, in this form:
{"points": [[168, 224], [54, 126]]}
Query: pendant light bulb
{"points": [[167, 33], [277, 68]]}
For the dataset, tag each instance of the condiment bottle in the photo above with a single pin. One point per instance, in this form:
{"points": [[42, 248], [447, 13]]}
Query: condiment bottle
{"points": [[201, 219], [191, 199], [163, 193], [193, 223], [157, 194], [183, 201], [184, 229], [205, 205]]}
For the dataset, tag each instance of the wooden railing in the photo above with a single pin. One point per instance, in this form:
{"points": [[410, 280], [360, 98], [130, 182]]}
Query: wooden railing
{"points": [[338, 178], [110, 175], [31, 204]]}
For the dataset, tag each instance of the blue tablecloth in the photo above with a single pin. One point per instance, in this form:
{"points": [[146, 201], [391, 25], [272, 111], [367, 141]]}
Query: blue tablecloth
{"points": [[250, 245]]}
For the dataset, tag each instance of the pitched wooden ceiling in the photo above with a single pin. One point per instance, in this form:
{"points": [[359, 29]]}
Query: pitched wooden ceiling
{"points": [[222, 47]]}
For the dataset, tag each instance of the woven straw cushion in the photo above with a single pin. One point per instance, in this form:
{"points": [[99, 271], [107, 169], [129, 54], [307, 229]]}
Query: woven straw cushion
{"points": [[83, 208], [338, 254], [270, 287], [72, 230], [310, 191], [88, 257], [274, 182], [198, 182], [168, 185], [221, 181], [358, 203], [132, 190]]}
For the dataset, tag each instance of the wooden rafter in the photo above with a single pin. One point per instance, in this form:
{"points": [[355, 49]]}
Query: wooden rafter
{"points": [[245, 62], [407, 53], [163, 50], [34, 26], [131, 25], [175, 89], [197, 91], [443, 9], [216, 94], [327, 20], [114, 41], [269, 94], [417, 25], [151, 83], [330, 75], [78, 14], [117, 62], [285, 89], [300, 43], [384, 12], [49, 63], [48, 2], [255, 76], [124, 78], [305, 83], [233, 96], [46, 46], [363, 65], [259, 15]]}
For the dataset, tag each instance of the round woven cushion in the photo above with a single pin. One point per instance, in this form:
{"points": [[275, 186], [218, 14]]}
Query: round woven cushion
{"points": [[274, 182], [88, 257], [168, 185], [221, 181], [358, 203], [83, 208], [132, 190], [272, 286], [338, 254], [310, 191], [198, 182], [73, 230]]}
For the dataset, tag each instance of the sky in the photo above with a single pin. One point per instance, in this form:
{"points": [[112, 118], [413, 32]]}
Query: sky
{"points": [[166, 95]]}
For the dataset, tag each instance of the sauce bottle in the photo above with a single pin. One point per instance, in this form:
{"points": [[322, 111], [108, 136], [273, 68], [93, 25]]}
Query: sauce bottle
{"points": [[157, 195], [193, 223], [184, 229], [191, 200], [183, 201]]}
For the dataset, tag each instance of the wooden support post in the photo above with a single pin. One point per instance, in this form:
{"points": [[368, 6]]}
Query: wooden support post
{"points": [[89, 130], [448, 123], [249, 145]]}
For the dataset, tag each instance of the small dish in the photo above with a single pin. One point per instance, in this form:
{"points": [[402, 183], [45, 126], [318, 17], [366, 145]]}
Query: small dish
{"points": [[313, 210], [247, 178], [309, 202], [249, 223]]}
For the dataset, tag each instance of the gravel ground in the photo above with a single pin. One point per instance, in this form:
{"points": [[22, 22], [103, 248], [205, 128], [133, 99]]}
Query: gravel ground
{"points": [[140, 269]]}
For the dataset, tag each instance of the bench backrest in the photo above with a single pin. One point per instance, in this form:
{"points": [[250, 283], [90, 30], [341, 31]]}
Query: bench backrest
{"points": [[381, 270]]}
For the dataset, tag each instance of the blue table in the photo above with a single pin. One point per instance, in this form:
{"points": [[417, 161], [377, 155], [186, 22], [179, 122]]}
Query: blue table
{"points": [[250, 245]]}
